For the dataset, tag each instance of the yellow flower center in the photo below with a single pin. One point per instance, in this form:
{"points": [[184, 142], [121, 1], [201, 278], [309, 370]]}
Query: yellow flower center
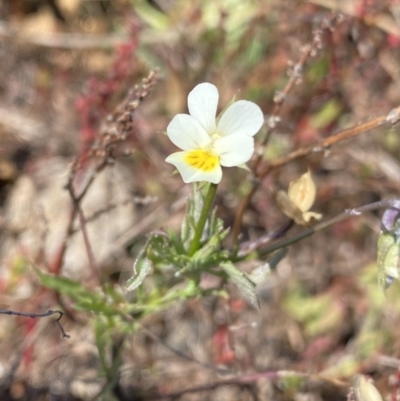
{"points": [[202, 160]]}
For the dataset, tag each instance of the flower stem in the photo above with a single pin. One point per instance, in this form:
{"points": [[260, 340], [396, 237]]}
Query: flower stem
{"points": [[208, 201]]}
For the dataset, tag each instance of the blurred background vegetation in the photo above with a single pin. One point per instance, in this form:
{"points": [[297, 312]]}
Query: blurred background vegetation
{"points": [[65, 66]]}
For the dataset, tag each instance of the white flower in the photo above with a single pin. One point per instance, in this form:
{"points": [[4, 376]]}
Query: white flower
{"points": [[208, 144]]}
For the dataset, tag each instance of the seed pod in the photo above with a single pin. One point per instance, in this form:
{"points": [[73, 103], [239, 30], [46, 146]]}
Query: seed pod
{"points": [[298, 200], [364, 390]]}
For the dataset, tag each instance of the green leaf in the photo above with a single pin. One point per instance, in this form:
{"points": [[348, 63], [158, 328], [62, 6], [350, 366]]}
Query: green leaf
{"points": [[102, 333], [63, 285], [158, 248], [142, 268], [176, 242], [94, 305], [114, 292], [188, 224], [388, 259], [242, 281], [214, 222], [193, 210], [85, 299], [211, 246], [199, 193]]}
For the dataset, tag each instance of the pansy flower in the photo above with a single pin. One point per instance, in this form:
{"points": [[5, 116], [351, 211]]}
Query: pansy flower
{"points": [[208, 142]]}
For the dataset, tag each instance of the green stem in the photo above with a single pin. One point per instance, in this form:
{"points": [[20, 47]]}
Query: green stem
{"points": [[208, 201]]}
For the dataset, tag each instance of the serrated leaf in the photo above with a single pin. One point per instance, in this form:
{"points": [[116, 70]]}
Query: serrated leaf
{"points": [[242, 281], [141, 268]]}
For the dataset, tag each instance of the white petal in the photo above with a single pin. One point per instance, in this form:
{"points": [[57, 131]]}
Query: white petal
{"points": [[191, 174], [241, 117], [234, 150], [186, 133], [202, 104]]}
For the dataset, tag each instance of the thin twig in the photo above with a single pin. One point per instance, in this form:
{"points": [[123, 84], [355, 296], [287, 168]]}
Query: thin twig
{"points": [[279, 99], [84, 41], [78, 210], [136, 200], [383, 21], [159, 214], [325, 143], [119, 124], [296, 72], [237, 381], [18, 353], [249, 246], [89, 249], [36, 315], [62, 40], [392, 118], [387, 203], [56, 264], [178, 353]]}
